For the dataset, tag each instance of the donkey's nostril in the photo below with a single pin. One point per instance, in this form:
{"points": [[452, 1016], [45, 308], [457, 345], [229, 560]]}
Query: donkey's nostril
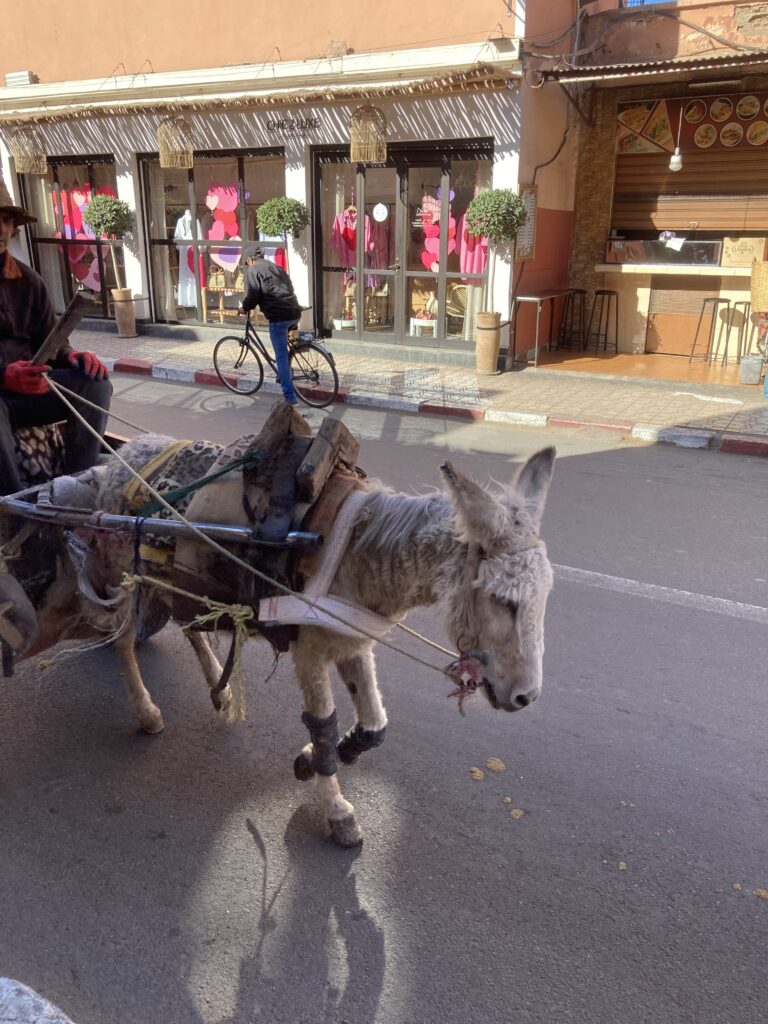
{"points": [[522, 701]]}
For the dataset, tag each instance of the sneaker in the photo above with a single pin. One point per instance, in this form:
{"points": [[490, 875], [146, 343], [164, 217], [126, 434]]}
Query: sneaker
{"points": [[291, 401]]}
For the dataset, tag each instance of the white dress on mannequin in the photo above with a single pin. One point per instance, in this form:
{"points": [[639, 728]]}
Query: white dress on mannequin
{"points": [[186, 293]]}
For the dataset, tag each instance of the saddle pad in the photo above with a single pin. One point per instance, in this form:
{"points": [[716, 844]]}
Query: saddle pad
{"points": [[39, 453]]}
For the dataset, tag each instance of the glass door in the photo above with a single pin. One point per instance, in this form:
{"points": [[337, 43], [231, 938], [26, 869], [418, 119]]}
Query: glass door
{"points": [[397, 261], [425, 251], [382, 268]]}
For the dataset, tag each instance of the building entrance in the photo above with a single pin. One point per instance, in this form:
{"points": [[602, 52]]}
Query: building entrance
{"points": [[396, 261]]}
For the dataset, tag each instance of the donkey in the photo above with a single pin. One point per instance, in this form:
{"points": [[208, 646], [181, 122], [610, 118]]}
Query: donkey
{"points": [[474, 552]]}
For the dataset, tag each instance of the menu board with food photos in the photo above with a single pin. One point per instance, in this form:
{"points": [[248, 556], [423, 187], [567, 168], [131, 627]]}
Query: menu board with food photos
{"points": [[702, 122]]}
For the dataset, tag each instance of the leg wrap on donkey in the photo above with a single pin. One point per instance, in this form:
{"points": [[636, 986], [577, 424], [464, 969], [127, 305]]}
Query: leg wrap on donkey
{"points": [[325, 735], [357, 741]]}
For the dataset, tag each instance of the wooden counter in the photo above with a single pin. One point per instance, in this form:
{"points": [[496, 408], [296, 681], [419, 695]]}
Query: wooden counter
{"points": [[633, 282]]}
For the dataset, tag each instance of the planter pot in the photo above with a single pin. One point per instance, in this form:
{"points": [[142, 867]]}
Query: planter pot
{"points": [[488, 343], [750, 369], [125, 312]]}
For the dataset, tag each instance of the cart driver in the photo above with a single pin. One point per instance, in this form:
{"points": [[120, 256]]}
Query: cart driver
{"points": [[26, 318]]}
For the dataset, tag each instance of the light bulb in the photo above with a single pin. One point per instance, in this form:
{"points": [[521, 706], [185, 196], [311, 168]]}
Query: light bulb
{"points": [[676, 161]]}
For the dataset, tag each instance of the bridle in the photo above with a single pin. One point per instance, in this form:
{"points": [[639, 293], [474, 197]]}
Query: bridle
{"points": [[465, 671]]}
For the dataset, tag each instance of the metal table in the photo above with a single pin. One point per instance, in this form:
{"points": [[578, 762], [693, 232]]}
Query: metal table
{"points": [[545, 295]]}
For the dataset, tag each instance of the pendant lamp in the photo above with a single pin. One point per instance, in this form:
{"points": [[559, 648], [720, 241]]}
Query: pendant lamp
{"points": [[175, 142], [368, 136], [28, 152]]}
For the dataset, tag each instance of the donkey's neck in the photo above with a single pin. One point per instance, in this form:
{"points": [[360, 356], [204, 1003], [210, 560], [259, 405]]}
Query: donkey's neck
{"points": [[403, 554]]}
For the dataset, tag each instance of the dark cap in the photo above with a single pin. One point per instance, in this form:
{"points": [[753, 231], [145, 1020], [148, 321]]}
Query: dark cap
{"points": [[252, 252]]}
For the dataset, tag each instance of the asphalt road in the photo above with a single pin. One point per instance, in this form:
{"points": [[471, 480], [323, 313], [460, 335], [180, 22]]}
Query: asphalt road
{"points": [[186, 879]]}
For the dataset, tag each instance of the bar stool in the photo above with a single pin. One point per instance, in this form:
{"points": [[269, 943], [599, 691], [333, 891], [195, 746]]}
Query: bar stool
{"points": [[746, 328], [605, 302], [573, 320], [717, 302]]}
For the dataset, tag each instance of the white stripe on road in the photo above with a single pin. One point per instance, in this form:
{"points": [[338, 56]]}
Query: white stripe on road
{"points": [[701, 602]]}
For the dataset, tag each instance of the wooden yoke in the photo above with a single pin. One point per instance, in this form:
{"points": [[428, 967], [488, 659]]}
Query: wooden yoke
{"points": [[333, 447]]}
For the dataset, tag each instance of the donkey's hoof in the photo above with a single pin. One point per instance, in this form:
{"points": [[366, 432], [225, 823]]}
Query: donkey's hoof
{"points": [[302, 768], [152, 722], [345, 831], [222, 699]]}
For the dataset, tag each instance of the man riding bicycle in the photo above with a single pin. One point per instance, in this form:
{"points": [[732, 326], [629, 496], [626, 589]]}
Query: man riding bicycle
{"points": [[269, 287]]}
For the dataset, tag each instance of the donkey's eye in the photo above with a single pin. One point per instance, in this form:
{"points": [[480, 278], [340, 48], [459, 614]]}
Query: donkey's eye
{"points": [[511, 606]]}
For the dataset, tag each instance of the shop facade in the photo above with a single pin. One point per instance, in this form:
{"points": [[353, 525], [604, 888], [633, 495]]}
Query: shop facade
{"points": [[667, 238], [387, 255]]}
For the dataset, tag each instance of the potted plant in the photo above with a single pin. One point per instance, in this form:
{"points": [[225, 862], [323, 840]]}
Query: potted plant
{"points": [[496, 215], [112, 218], [281, 217]]}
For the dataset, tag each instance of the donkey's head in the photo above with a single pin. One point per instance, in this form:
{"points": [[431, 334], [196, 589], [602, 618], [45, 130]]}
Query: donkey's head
{"points": [[497, 610]]}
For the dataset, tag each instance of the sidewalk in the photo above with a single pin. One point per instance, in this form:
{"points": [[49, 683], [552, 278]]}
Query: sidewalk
{"points": [[728, 418]]}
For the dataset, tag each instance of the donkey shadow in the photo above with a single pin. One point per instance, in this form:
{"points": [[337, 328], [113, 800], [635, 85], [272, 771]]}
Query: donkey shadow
{"points": [[324, 892]]}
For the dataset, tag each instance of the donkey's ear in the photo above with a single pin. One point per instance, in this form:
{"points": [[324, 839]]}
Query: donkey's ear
{"points": [[480, 518], [534, 479]]}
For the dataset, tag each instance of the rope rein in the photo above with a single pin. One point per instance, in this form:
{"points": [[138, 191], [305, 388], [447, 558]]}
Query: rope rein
{"points": [[239, 561]]}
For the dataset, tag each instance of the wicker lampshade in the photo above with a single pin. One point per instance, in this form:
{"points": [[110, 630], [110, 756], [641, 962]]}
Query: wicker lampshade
{"points": [[28, 152], [175, 142], [368, 136]]}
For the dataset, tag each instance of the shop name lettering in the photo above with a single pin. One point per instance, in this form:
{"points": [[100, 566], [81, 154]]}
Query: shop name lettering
{"points": [[293, 124]]}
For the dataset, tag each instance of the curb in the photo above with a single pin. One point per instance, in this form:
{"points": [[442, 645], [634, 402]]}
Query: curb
{"points": [[682, 437]]}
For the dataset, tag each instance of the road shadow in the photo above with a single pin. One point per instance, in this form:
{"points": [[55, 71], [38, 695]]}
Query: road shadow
{"points": [[323, 905]]}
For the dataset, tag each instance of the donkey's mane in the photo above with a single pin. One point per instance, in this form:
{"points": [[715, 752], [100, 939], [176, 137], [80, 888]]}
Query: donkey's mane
{"points": [[394, 520]]}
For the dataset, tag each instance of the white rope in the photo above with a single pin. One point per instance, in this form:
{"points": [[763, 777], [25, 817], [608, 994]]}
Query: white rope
{"points": [[112, 415], [228, 554]]}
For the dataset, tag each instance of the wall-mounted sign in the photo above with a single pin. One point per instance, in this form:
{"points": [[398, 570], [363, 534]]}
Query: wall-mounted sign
{"points": [[293, 125], [654, 126], [525, 242]]}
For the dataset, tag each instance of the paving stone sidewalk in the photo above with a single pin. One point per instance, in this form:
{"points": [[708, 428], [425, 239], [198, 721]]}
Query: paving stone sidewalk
{"points": [[730, 418]]}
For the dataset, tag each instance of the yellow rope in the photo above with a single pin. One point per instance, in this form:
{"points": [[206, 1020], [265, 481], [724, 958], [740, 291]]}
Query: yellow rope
{"points": [[240, 614]]}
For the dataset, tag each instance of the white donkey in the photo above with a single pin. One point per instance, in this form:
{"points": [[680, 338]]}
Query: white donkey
{"points": [[477, 554]]}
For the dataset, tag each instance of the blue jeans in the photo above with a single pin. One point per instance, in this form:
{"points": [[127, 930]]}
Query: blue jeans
{"points": [[278, 335]]}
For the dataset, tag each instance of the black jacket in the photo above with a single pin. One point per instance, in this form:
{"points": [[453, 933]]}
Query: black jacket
{"points": [[26, 314], [269, 287]]}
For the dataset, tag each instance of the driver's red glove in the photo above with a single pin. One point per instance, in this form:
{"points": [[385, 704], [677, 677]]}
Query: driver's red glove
{"points": [[90, 364], [26, 378]]}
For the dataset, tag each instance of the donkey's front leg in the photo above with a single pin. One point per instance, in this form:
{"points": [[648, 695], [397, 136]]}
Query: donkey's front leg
{"points": [[147, 712], [358, 673], [212, 670], [319, 756]]}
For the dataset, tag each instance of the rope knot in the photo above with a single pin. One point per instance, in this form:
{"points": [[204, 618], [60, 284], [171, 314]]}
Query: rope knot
{"points": [[464, 673]]}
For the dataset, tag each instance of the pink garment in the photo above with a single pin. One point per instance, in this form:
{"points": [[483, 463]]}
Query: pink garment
{"points": [[380, 244], [473, 251], [344, 237]]}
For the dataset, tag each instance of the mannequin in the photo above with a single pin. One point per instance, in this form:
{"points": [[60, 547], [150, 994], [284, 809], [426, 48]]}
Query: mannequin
{"points": [[187, 289]]}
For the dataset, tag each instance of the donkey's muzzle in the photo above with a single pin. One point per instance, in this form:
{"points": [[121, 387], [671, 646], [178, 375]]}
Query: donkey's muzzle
{"points": [[516, 703]]}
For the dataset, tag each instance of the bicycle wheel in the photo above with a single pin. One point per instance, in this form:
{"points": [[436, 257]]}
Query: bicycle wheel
{"points": [[238, 366], [314, 375]]}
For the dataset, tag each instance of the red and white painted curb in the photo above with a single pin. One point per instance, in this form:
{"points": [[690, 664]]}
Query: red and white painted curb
{"points": [[683, 437]]}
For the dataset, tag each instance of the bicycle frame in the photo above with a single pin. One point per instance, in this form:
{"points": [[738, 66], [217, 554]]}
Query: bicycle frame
{"points": [[253, 338]]}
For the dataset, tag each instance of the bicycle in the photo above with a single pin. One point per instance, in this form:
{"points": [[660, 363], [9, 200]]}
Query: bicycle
{"points": [[239, 365]]}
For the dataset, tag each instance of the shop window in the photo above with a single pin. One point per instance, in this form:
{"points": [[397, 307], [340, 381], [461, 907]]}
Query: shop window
{"points": [[65, 250], [199, 221]]}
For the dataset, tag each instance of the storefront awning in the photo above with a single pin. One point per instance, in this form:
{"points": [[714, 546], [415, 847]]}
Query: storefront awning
{"points": [[494, 64], [659, 70]]}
